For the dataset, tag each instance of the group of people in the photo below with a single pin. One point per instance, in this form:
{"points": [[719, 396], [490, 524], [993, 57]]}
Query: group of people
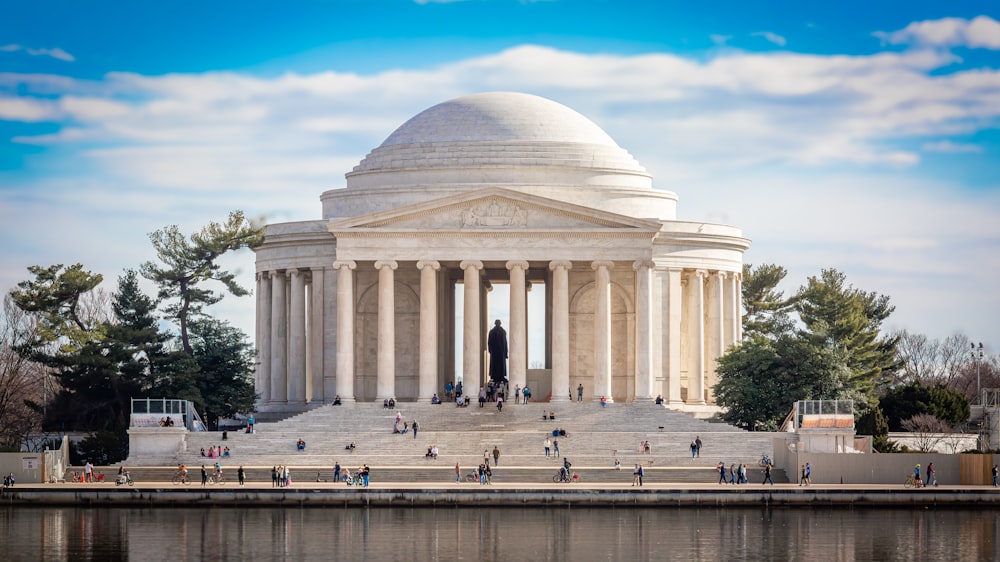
{"points": [[406, 427], [696, 447], [551, 446], [167, 422], [280, 477], [359, 478], [215, 452], [452, 391], [522, 395], [737, 473], [432, 452]]}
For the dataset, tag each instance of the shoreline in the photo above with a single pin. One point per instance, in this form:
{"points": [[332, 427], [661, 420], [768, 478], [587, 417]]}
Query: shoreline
{"points": [[523, 494]]}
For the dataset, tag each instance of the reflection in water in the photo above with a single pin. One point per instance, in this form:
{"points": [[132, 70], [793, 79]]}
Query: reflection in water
{"points": [[528, 534]]}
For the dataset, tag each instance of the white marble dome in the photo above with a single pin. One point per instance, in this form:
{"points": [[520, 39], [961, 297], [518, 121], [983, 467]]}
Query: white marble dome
{"points": [[513, 140]]}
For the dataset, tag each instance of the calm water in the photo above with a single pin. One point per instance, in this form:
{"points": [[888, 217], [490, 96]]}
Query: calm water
{"points": [[522, 535]]}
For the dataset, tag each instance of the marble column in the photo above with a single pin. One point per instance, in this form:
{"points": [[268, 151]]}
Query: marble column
{"points": [[738, 306], [297, 338], [428, 360], [317, 308], [715, 329], [518, 336], [696, 337], [385, 385], [264, 337], [672, 349], [560, 328], [471, 341], [602, 329], [644, 374], [345, 329], [279, 339]]}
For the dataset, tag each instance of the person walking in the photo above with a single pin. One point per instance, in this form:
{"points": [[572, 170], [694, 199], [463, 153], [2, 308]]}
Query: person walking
{"points": [[694, 449], [548, 447], [767, 475], [500, 403], [721, 467], [697, 446], [496, 456], [635, 475], [579, 393], [415, 428], [458, 474], [241, 474], [808, 475], [930, 475], [555, 447], [995, 475]]}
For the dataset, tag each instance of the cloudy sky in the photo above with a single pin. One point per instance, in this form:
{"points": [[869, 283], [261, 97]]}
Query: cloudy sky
{"points": [[835, 134]]}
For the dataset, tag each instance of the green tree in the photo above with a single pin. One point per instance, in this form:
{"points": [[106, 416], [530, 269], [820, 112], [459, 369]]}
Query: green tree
{"points": [[55, 297], [767, 309], [760, 379], [225, 360], [835, 312], [905, 402], [190, 263]]}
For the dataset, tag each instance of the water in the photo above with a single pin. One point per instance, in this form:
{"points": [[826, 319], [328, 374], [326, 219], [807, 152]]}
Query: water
{"points": [[522, 535]]}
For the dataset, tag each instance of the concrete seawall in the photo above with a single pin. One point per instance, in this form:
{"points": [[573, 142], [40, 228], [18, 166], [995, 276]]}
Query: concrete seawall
{"points": [[510, 495]]}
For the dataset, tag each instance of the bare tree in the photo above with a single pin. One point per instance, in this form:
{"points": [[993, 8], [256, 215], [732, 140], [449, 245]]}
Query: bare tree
{"points": [[932, 361], [927, 431], [21, 381]]}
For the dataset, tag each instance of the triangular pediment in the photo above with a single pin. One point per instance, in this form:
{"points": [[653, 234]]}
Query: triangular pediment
{"points": [[493, 209]]}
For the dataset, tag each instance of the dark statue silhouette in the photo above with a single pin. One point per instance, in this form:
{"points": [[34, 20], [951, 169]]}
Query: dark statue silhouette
{"points": [[496, 343]]}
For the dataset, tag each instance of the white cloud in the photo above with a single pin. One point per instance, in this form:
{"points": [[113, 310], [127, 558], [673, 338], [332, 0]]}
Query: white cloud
{"points": [[56, 53], [949, 146], [772, 37], [720, 40], [982, 32]]}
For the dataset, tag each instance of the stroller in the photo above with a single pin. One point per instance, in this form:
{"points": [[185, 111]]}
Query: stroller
{"points": [[354, 479]]}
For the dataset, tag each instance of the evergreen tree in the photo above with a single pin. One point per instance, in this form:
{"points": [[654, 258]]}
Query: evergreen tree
{"points": [[225, 359], [188, 264], [767, 310], [835, 312]]}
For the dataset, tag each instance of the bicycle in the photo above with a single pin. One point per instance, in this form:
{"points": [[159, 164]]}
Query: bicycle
{"points": [[912, 482], [216, 479], [181, 479], [568, 476], [764, 460]]}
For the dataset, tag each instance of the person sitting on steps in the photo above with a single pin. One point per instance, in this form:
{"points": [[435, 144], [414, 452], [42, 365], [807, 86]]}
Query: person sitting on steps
{"points": [[351, 447], [300, 445]]}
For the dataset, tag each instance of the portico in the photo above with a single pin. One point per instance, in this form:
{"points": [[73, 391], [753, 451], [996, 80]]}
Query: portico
{"points": [[362, 303]]}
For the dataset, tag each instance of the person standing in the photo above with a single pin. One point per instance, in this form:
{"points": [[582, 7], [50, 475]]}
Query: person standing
{"points": [[916, 476], [808, 476], [548, 447], [555, 447], [241, 474], [496, 456], [88, 472], [635, 475], [500, 403], [365, 472], [526, 394], [697, 446], [204, 476], [250, 423], [694, 449], [579, 393], [458, 474], [415, 428], [930, 475], [336, 471], [995, 475], [274, 477]]}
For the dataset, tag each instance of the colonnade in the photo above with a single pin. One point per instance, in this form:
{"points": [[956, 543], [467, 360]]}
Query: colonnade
{"points": [[684, 320]]}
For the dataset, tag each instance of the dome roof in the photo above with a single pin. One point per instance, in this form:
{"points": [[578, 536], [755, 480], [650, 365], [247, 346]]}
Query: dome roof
{"points": [[499, 117], [499, 129]]}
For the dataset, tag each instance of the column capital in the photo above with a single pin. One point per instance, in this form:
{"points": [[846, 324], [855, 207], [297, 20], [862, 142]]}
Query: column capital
{"points": [[435, 265], [466, 264], [349, 264], [275, 273], [701, 272], [643, 264], [720, 274], [565, 264], [517, 263], [598, 264], [391, 264], [291, 272]]}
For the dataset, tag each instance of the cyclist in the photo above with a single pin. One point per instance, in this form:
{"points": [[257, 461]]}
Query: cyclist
{"points": [[182, 471], [916, 477], [564, 471]]}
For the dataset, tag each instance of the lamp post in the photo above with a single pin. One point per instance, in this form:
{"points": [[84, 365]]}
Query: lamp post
{"points": [[979, 361]]}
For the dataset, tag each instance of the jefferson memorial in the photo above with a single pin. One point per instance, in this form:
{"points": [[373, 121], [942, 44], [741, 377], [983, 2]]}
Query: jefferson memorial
{"points": [[387, 295]]}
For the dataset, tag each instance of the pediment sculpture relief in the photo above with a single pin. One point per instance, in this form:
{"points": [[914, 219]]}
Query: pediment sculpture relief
{"points": [[494, 213]]}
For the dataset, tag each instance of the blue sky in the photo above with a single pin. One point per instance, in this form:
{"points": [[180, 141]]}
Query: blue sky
{"points": [[856, 135]]}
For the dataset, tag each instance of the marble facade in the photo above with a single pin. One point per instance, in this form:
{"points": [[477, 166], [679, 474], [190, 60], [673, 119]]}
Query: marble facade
{"points": [[495, 188]]}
